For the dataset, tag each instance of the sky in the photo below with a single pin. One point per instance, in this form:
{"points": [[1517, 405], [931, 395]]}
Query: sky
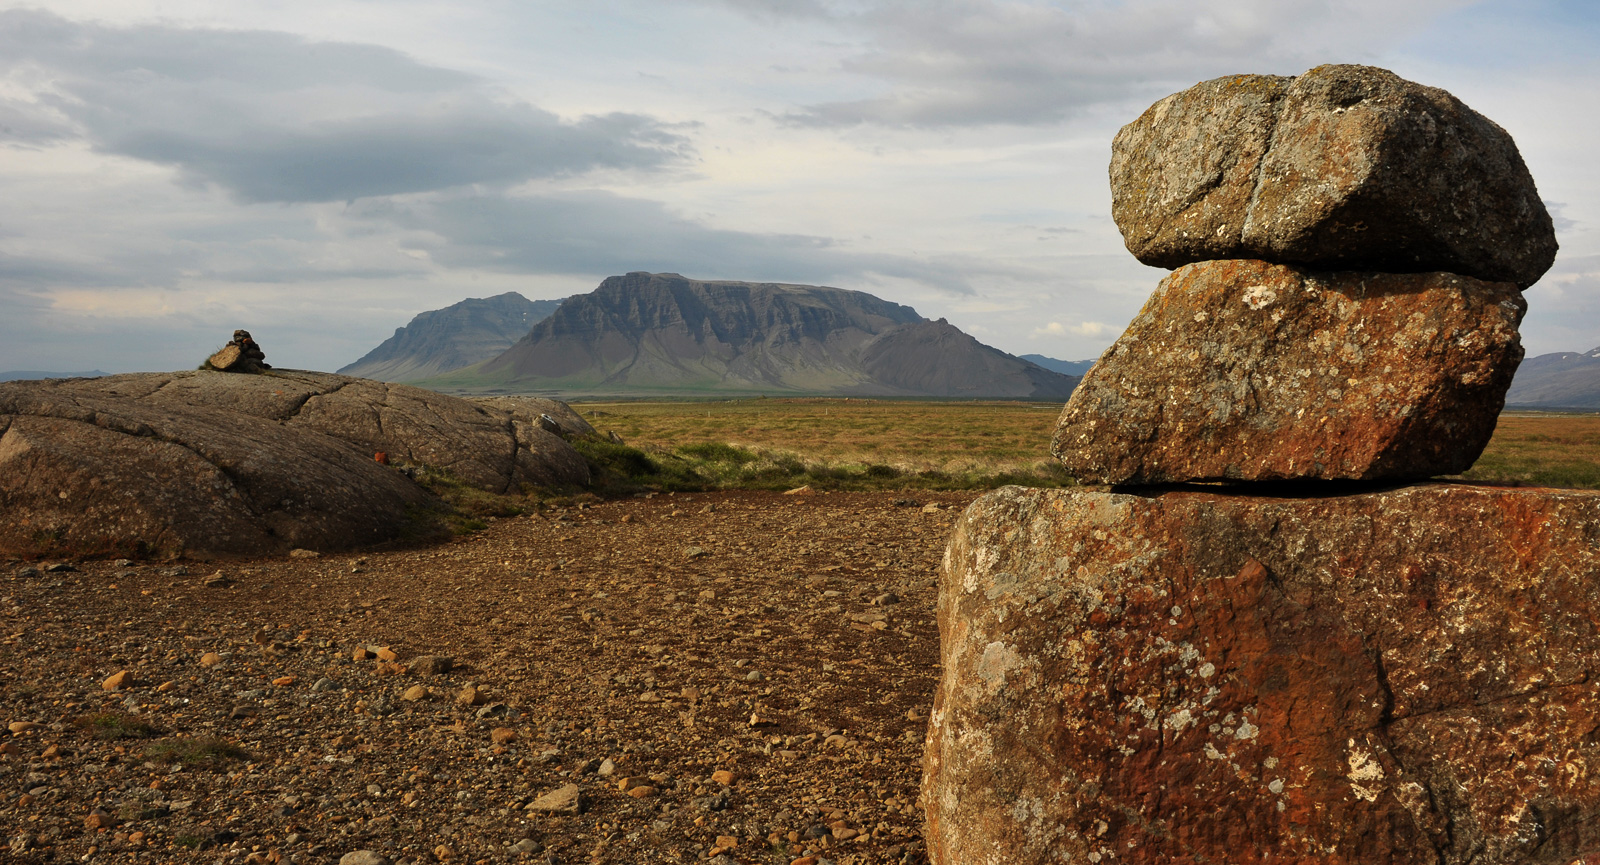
{"points": [[320, 172]]}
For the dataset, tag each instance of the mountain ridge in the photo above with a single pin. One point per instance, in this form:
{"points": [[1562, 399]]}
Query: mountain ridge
{"points": [[459, 335], [665, 334]]}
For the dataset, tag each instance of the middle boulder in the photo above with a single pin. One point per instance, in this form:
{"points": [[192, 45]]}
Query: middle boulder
{"points": [[1246, 370]]}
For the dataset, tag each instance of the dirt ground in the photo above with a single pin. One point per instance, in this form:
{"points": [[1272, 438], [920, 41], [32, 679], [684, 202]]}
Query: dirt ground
{"points": [[646, 644]]}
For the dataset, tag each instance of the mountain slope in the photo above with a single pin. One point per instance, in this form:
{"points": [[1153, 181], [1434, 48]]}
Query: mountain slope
{"points": [[647, 333], [935, 358], [459, 335], [1065, 367], [1564, 379]]}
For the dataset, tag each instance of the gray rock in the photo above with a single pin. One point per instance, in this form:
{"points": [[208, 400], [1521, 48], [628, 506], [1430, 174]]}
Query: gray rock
{"points": [[363, 857], [1341, 168], [325, 684], [218, 463], [527, 846], [1243, 370]]}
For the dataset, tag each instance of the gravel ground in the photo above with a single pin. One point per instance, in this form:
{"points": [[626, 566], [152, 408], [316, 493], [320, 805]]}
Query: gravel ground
{"points": [[739, 677]]}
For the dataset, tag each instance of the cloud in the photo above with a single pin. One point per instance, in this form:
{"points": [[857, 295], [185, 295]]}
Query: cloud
{"points": [[945, 63], [597, 232], [1082, 328], [276, 117]]}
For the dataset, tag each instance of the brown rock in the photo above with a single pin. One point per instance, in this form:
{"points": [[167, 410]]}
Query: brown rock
{"points": [[360, 653], [210, 659], [469, 695], [1342, 168], [387, 654], [19, 727], [723, 777], [414, 694], [562, 800], [431, 665], [503, 735], [118, 681], [1243, 370], [1197, 676], [643, 791], [246, 464], [285, 681]]}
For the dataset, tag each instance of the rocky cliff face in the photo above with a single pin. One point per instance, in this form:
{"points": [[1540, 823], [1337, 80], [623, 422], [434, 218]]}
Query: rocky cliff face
{"points": [[213, 463], [646, 333], [1212, 676], [459, 335]]}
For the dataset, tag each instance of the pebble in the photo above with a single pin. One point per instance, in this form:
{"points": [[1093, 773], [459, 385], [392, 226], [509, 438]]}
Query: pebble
{"points": [[469, 696], [723, 777], [308, 554], [210, 659], [607, 768], [503, 735], [362, 857], [22, 726], [562, 800], [118, 681], [527, 846], [325, 684], [414, 694]]}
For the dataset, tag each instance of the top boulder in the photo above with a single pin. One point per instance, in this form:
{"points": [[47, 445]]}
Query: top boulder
{"points": [[1341, 168]]}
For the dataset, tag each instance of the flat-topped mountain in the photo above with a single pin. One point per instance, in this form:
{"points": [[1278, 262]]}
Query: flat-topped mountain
{"points": [[647, 333], [459, 335]]}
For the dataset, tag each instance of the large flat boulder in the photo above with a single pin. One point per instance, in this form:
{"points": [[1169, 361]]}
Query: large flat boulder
{"points": [[1403, 676], [1341, 168], [1244, 370], [209, 463]]}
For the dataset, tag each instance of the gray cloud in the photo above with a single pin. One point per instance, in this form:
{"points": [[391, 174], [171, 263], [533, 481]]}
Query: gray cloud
{"points": [[944, 63], [594, 232], [274, 117]]}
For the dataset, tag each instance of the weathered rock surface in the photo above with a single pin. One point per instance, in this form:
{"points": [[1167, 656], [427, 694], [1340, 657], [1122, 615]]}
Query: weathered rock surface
{"points": [[1341, 168], [210, 463], [1403, 676], [1243, 370]]}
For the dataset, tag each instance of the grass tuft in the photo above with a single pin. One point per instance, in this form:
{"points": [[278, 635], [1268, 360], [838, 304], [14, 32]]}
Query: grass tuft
{"points": [[202, 753], [116, 725]]}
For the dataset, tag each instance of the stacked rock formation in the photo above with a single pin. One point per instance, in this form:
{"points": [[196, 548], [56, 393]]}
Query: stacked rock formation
{"points": [[241, 354], [1234, 672], [1350, 249]]}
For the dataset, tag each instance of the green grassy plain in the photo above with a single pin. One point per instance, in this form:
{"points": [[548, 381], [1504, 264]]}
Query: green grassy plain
{"points": [[844, 443], [888, 444]]}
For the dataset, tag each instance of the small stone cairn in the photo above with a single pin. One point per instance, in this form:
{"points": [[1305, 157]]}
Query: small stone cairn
{"points": [[1350, 249], [241, 354]]}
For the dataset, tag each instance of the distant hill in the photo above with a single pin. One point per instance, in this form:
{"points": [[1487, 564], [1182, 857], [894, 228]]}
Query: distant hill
{"points": [[1564, 379], [446, 339], [647, 333], [1065, 367], [22, 374]]}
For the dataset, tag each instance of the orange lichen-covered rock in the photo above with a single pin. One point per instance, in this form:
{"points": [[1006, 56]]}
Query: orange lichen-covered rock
{"points": [[1244, 370], [1403, 676]]}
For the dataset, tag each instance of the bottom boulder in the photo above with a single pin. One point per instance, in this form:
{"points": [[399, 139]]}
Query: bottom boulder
{"points": [[1405, 675]]}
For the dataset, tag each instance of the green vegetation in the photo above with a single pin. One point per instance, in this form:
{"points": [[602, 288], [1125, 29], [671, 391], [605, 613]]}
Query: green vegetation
{"points": [[116, 725], [201, 753], [1551, 450], [831, 444]]}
